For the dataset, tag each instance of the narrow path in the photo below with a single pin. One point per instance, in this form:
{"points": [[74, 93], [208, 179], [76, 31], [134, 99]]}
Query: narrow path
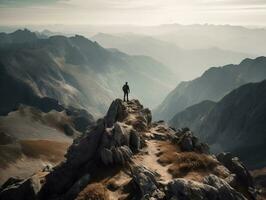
{"points": [[149, 160]]}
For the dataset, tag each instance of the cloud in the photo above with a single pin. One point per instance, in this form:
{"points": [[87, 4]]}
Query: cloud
{"points": [[25, 3], [133, 11]]}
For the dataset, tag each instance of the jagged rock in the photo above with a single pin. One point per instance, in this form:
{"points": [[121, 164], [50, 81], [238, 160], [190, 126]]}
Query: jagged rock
{"points": [[213, 188], [225, 191], [10, 181], [186, 143], [115, 113], [47, 168], [237, 167], [121, 154], [120, 135], [77, 187], [134, 140], [231, 180], [146, 113], [147, 184], [68, 130], [127, 153], [191, 190], [139, 125], [80, 156], [24, 190], [86, 147], [107, 156]]}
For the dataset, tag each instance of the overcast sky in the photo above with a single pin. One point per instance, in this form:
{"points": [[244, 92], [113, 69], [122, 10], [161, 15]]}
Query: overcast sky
{"points": [[139, 12]]}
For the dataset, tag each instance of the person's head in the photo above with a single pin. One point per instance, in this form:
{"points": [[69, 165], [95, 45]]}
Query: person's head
{"points": [[126, 83]]}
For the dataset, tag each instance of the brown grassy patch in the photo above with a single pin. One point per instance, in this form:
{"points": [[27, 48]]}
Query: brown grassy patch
{"points": [[167, 153], [95, 191], [52, 151], [190, 161]]}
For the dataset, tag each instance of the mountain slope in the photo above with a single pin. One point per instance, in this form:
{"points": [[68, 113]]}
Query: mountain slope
{"points": [[187, 64], [80, 73], [19, 36], [192, 116], [236, 123], [214, 84]]}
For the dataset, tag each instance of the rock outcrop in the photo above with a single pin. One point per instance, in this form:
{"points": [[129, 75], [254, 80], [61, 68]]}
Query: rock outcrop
{"points": [[126, 156]]}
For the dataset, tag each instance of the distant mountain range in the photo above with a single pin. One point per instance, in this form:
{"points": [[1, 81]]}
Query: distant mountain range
{"points": [[186, 63], [194, 36], [213, 85], [237, 123], [76, 71], [192, 116]]}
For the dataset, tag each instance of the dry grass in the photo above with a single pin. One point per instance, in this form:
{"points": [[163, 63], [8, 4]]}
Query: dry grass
{"points": [[95, 191], [52, 151], [189, 164], [190, 161], [167, 153]]}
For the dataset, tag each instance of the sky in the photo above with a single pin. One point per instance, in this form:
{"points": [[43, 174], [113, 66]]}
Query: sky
{"points": [[136, 12]]}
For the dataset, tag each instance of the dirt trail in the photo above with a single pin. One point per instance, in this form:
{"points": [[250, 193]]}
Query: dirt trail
{"points": [[149, 160]]}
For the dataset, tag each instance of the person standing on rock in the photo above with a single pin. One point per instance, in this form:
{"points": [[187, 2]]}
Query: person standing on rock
{"points": [[126, 90]]}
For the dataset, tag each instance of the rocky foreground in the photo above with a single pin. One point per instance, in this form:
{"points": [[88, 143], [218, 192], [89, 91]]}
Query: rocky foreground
{"points": [[126, 156]]}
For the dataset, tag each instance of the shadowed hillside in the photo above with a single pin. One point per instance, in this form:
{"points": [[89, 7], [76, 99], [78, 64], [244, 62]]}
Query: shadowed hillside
{"points": [[236, 123], [213, 85]]}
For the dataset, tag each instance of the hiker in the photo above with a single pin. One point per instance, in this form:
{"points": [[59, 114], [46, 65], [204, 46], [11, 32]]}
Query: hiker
{"points": [[126, 90]]}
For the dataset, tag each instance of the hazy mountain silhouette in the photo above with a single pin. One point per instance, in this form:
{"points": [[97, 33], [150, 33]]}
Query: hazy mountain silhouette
{"points": [[236, 123], [19, 36], [186, 63], [214, 84], [192, 116], [78, 72]]}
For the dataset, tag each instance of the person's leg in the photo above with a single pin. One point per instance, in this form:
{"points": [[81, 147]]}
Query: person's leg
{"points": [[127, 96], [124, 96]]}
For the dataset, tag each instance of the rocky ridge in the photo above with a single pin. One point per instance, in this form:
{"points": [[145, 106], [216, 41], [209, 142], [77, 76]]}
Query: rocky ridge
{"points": [[126, 156]]}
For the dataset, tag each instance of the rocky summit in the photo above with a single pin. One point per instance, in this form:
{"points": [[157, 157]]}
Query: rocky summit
{"points": [[127, 156]]}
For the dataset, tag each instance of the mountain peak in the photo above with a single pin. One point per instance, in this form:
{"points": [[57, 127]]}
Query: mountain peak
{"points": [[21, 36], [127, 156]]}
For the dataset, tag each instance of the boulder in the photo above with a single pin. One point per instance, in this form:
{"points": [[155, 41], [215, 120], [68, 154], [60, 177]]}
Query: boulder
{"points": [[225, 191], [68, 130], [146, 113], [120, 135], [107, 156], [121, 155], [237, 167], [80, 157], [134, 141], [10, 181], [146, 183], [116, 112], [77, 187], [186, 143], [212, 188], [190, 190], [24, 190]]}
